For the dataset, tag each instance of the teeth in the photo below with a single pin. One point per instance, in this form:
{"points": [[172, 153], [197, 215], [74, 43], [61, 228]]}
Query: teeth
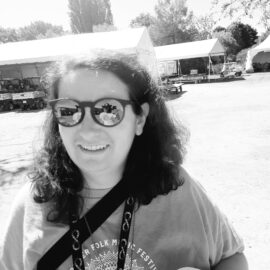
{"points": [[94, 147]]}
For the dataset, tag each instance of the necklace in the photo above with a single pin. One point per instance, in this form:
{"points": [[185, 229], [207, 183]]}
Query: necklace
{"points": [[78, 262]]}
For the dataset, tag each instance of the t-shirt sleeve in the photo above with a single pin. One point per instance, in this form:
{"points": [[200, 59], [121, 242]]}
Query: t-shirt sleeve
{"points": [[11, 256], [228, 242], [223, 240]]}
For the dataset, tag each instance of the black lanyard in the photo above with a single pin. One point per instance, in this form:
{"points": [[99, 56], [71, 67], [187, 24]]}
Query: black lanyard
{"points": [[100, 212], [78, 263]]}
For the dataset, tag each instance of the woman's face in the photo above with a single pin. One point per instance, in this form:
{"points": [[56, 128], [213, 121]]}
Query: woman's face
{"points": [[99, 152]]}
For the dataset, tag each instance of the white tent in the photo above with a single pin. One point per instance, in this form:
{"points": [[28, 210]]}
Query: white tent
{"points": [[264, 47], [134, 41], [195, 49]]}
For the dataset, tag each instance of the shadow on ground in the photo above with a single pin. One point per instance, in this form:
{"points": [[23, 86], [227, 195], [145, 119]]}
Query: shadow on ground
{"points": [[175, 96], [7, 177]]}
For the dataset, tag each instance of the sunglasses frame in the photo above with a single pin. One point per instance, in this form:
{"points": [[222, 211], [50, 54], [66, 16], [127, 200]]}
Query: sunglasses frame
{"points": [[91, 105]]}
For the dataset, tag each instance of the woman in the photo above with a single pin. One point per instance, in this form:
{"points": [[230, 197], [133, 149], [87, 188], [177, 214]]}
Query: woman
{"points": [[146, 211]]}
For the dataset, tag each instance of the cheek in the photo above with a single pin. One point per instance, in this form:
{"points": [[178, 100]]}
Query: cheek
{"points": [[66, 135], [128, 129]]}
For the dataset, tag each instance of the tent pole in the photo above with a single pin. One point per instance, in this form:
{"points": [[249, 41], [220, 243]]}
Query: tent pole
{"points": [[209, 68], [179, 68], [20, 71]]}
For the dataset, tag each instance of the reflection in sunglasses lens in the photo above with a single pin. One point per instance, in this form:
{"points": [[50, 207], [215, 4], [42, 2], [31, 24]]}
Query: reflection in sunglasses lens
{"points": [[109, 112], [68, 112]]}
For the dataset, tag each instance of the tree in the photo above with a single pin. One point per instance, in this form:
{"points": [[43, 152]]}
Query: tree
{"points": [[8, 35], [174, 23], [228, 42], [204, 25], [36, 30], [84, 14], [259, 9], [219, 29], [144, 19], [39, 30], [244, 34], [104, 28]]}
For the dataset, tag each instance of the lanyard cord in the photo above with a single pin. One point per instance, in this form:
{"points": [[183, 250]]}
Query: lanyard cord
{"points": [[100, 212], [77, 258], [125, 229]]}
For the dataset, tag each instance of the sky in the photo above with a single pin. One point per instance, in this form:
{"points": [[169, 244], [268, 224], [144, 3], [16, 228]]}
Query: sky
{"points": [[18, 13]]}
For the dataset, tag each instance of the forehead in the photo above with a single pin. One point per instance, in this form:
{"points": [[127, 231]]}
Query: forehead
{"points": [[85, 84]]}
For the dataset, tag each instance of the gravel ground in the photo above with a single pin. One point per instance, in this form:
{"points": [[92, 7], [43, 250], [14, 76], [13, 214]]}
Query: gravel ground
{"points": [[228, 152]]}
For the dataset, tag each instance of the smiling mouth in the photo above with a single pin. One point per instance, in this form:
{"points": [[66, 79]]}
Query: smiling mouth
{"points": [[94, 148]]}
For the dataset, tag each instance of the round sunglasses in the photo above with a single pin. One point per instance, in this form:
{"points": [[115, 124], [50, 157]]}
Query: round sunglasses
{"points": [[107, 112]]}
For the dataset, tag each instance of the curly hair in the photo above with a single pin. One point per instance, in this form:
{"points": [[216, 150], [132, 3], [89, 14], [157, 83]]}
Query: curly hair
{"points": [[155, 156]]}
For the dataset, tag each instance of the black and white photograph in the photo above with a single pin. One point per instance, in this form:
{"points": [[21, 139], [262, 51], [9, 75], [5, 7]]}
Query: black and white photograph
{"points": [[135, 135]]}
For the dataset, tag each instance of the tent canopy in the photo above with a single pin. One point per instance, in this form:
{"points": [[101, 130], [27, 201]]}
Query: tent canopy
{"points": [[51, 49], [195, 49], [263, 47], [133, 41]]}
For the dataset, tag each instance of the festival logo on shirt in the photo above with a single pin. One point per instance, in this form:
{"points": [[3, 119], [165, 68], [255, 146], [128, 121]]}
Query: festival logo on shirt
{"points": [[102, 255]]}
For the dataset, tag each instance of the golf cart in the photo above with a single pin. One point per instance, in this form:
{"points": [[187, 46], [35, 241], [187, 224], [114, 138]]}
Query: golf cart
{"points": [[231, 70]]}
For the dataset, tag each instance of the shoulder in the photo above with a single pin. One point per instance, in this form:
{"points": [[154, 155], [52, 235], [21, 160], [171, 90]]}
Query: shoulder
{"points": [[222, 238], [22, 197], [24, 208], [190, 189], [189, 199], [19, 202], [14, 230]]}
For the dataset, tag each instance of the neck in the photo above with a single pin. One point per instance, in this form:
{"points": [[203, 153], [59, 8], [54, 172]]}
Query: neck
{"points": [[101, 180]]}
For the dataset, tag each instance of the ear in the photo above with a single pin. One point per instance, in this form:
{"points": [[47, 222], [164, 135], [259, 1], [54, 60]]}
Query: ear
{"points": [[141, 119]]}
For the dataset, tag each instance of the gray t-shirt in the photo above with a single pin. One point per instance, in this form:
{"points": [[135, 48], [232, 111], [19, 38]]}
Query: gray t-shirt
{"points": [[180, 229]]}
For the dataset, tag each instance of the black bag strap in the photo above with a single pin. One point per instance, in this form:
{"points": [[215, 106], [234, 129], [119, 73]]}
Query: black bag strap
{"points": [[62, 249]]}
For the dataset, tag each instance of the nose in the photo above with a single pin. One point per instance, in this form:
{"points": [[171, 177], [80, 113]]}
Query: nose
{"points": [[88, 122]]}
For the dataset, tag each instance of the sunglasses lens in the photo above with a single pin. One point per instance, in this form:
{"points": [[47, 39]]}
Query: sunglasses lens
{"points": [[108, 112], [67, 112]]}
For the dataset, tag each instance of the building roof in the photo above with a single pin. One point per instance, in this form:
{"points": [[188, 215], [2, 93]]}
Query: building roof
{"points": [[187, 50], [52, 49]]}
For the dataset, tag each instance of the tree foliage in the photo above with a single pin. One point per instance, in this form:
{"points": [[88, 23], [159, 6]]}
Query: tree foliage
{"points": [[244, 34], [36, 30], [143, 19], [84, 14], [228, 42], [172, 23], [8, 35], [259, 9], [104, 28], [39, 30], [236, 37], [204, 25], [219, 29]]}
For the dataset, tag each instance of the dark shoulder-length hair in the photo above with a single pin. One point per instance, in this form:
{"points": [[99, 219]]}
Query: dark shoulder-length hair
{"points": [[154, 160]]}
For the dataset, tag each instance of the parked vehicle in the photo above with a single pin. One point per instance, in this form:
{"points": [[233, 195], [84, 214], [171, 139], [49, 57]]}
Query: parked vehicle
{"points": [[231, 70], [5, 96], [5, 101], [26, 93], [169, 87]]}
